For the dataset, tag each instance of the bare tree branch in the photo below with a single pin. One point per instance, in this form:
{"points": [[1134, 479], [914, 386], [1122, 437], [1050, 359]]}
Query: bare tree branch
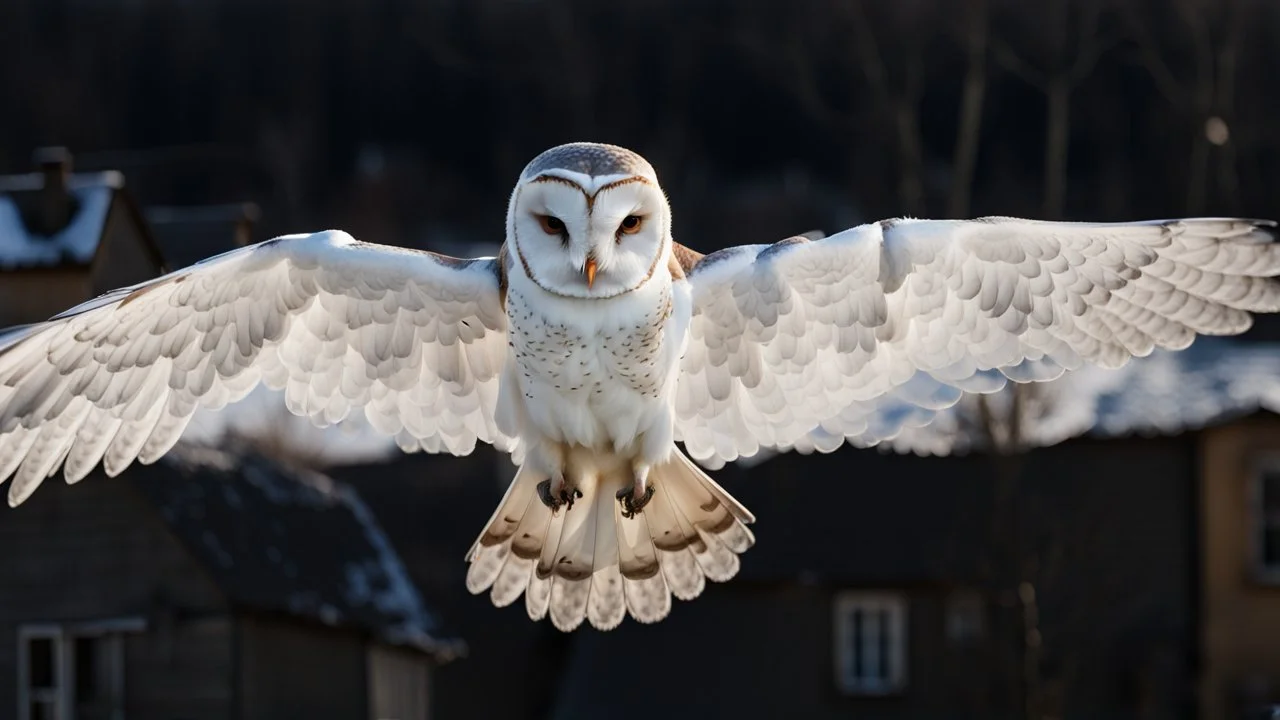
{"points": [[903, 106], [969, 125], [1016, 66]]}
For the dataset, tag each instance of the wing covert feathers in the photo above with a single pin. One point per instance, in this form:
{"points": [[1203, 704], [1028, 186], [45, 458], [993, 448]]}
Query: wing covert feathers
{"points": [[809, 344], [413, 340]]}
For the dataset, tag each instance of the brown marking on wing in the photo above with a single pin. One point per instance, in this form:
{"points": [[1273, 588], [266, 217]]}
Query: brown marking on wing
{"points": [[782, 245], [148, 288], [449, 261], [687, 258], [504, 257], [674, 268]]}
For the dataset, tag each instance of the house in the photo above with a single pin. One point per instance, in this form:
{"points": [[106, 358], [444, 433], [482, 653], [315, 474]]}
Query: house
{"points": [[187, 235], [214, 584], [859, 555], [1240, 566], [66, 235], [1120, 568]]}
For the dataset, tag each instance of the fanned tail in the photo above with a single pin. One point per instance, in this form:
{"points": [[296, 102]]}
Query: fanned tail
{"points": [[589, 562]]}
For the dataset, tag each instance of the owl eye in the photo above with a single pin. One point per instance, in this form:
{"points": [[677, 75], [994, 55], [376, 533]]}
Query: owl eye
{"points": [[630, 225], [551, 224]]}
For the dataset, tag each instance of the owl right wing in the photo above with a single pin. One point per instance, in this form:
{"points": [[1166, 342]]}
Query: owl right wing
{"points": [[810, 344], [414, 340]]}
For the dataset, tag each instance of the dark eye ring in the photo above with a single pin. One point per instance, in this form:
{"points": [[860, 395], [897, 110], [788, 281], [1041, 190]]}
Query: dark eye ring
{"points": [[631, 224], [551, 224]]}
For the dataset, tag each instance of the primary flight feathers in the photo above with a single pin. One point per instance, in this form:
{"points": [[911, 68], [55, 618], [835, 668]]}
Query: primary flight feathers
{"points": [[593, 343], [785, 337]]}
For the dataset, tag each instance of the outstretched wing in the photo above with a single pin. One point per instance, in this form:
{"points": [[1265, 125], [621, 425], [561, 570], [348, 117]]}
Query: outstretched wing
{"points": [[415, 340], [814, 343]]}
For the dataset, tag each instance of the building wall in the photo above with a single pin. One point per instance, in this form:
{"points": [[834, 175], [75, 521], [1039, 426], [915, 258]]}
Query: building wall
{"points": [[295, 670], [181, 669], [399, 684], [36, 295], [1116, 588], [756, 650], [1241, 617], [98, 551], [123, 258]]}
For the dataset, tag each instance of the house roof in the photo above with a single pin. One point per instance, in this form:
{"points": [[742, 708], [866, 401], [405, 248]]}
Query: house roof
{"points": [[187, 235], [285, 539], [1214, 381], [77, 242]]}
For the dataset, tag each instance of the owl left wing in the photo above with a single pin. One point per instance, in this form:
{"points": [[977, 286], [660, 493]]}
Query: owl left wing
{"points": [[811, 344], [413, 340]]}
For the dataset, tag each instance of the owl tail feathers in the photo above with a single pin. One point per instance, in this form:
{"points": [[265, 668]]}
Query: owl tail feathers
{"points": [[589, 561]]}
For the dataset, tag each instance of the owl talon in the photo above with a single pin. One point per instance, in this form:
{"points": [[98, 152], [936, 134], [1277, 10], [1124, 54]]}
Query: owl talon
{"points": [[630, 505], [568, 496], [565, 498]]}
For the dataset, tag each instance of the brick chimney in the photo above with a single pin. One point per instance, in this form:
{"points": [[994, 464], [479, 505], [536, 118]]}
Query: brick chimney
{"points": [[55, 206]]}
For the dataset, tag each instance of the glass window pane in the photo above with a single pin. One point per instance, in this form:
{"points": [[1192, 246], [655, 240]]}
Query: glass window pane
{"points": [[886, 637], [40, 662], [41, 711], [95, 662], [855, 671], [1271, 547], [1271, 493], [872, 632], [87, 681]]}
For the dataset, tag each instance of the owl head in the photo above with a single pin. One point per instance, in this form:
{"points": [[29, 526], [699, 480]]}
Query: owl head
{"points": [[589, 221]]}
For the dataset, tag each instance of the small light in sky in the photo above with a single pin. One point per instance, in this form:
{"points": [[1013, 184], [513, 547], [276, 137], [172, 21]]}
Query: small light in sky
{"points": [[1216, 130]]}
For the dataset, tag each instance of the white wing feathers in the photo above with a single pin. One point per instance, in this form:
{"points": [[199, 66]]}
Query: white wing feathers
{"points": [[414, 339], [811, 344]]}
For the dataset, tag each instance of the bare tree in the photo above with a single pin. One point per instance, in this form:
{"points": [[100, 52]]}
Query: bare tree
{"points": [[969, 124], [1205, 100], [900, 99], [1064, 65], [876, 65]]}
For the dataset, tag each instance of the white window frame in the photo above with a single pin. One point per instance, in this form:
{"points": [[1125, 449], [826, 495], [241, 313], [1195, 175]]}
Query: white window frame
{"points": [[64, 635], [1262, 464], [889, 606]]}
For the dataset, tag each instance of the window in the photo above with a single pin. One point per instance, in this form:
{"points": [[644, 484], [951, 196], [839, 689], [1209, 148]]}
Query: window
{"points": [[73, 671], [1267, 518], [966, 622], [871, 642]]}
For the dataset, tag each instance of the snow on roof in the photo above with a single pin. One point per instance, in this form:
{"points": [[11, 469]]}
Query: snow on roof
{"points": [[263, 414], [1213, 381], [287, 539], [77, 242]]}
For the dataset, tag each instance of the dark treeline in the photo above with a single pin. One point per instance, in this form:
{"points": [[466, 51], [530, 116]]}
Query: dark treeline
{"points": [[408, 121]]}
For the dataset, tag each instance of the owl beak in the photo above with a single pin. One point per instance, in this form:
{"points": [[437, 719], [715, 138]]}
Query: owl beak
{"points": [[590, 271]]}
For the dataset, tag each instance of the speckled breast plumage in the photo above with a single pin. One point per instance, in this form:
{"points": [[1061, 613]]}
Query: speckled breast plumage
{"points": [[571, 360]]}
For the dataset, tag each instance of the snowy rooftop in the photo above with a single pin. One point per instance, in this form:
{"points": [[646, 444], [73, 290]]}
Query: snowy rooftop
{"points": [[290, 540], [1213, 381], [262, 414], [75, 243]]}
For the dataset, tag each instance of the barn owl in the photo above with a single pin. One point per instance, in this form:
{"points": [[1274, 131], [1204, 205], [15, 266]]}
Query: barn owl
{"points": [[593, 343]]}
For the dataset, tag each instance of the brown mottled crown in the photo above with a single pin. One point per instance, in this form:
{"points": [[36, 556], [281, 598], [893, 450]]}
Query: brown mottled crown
{"points": [[593, 159]]}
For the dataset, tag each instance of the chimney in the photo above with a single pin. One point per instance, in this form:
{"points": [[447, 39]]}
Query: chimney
{"points": [[55, 207]]}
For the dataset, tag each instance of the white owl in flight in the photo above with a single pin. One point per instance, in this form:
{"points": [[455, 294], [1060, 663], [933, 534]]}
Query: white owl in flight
{"points": [[594, 343]]}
